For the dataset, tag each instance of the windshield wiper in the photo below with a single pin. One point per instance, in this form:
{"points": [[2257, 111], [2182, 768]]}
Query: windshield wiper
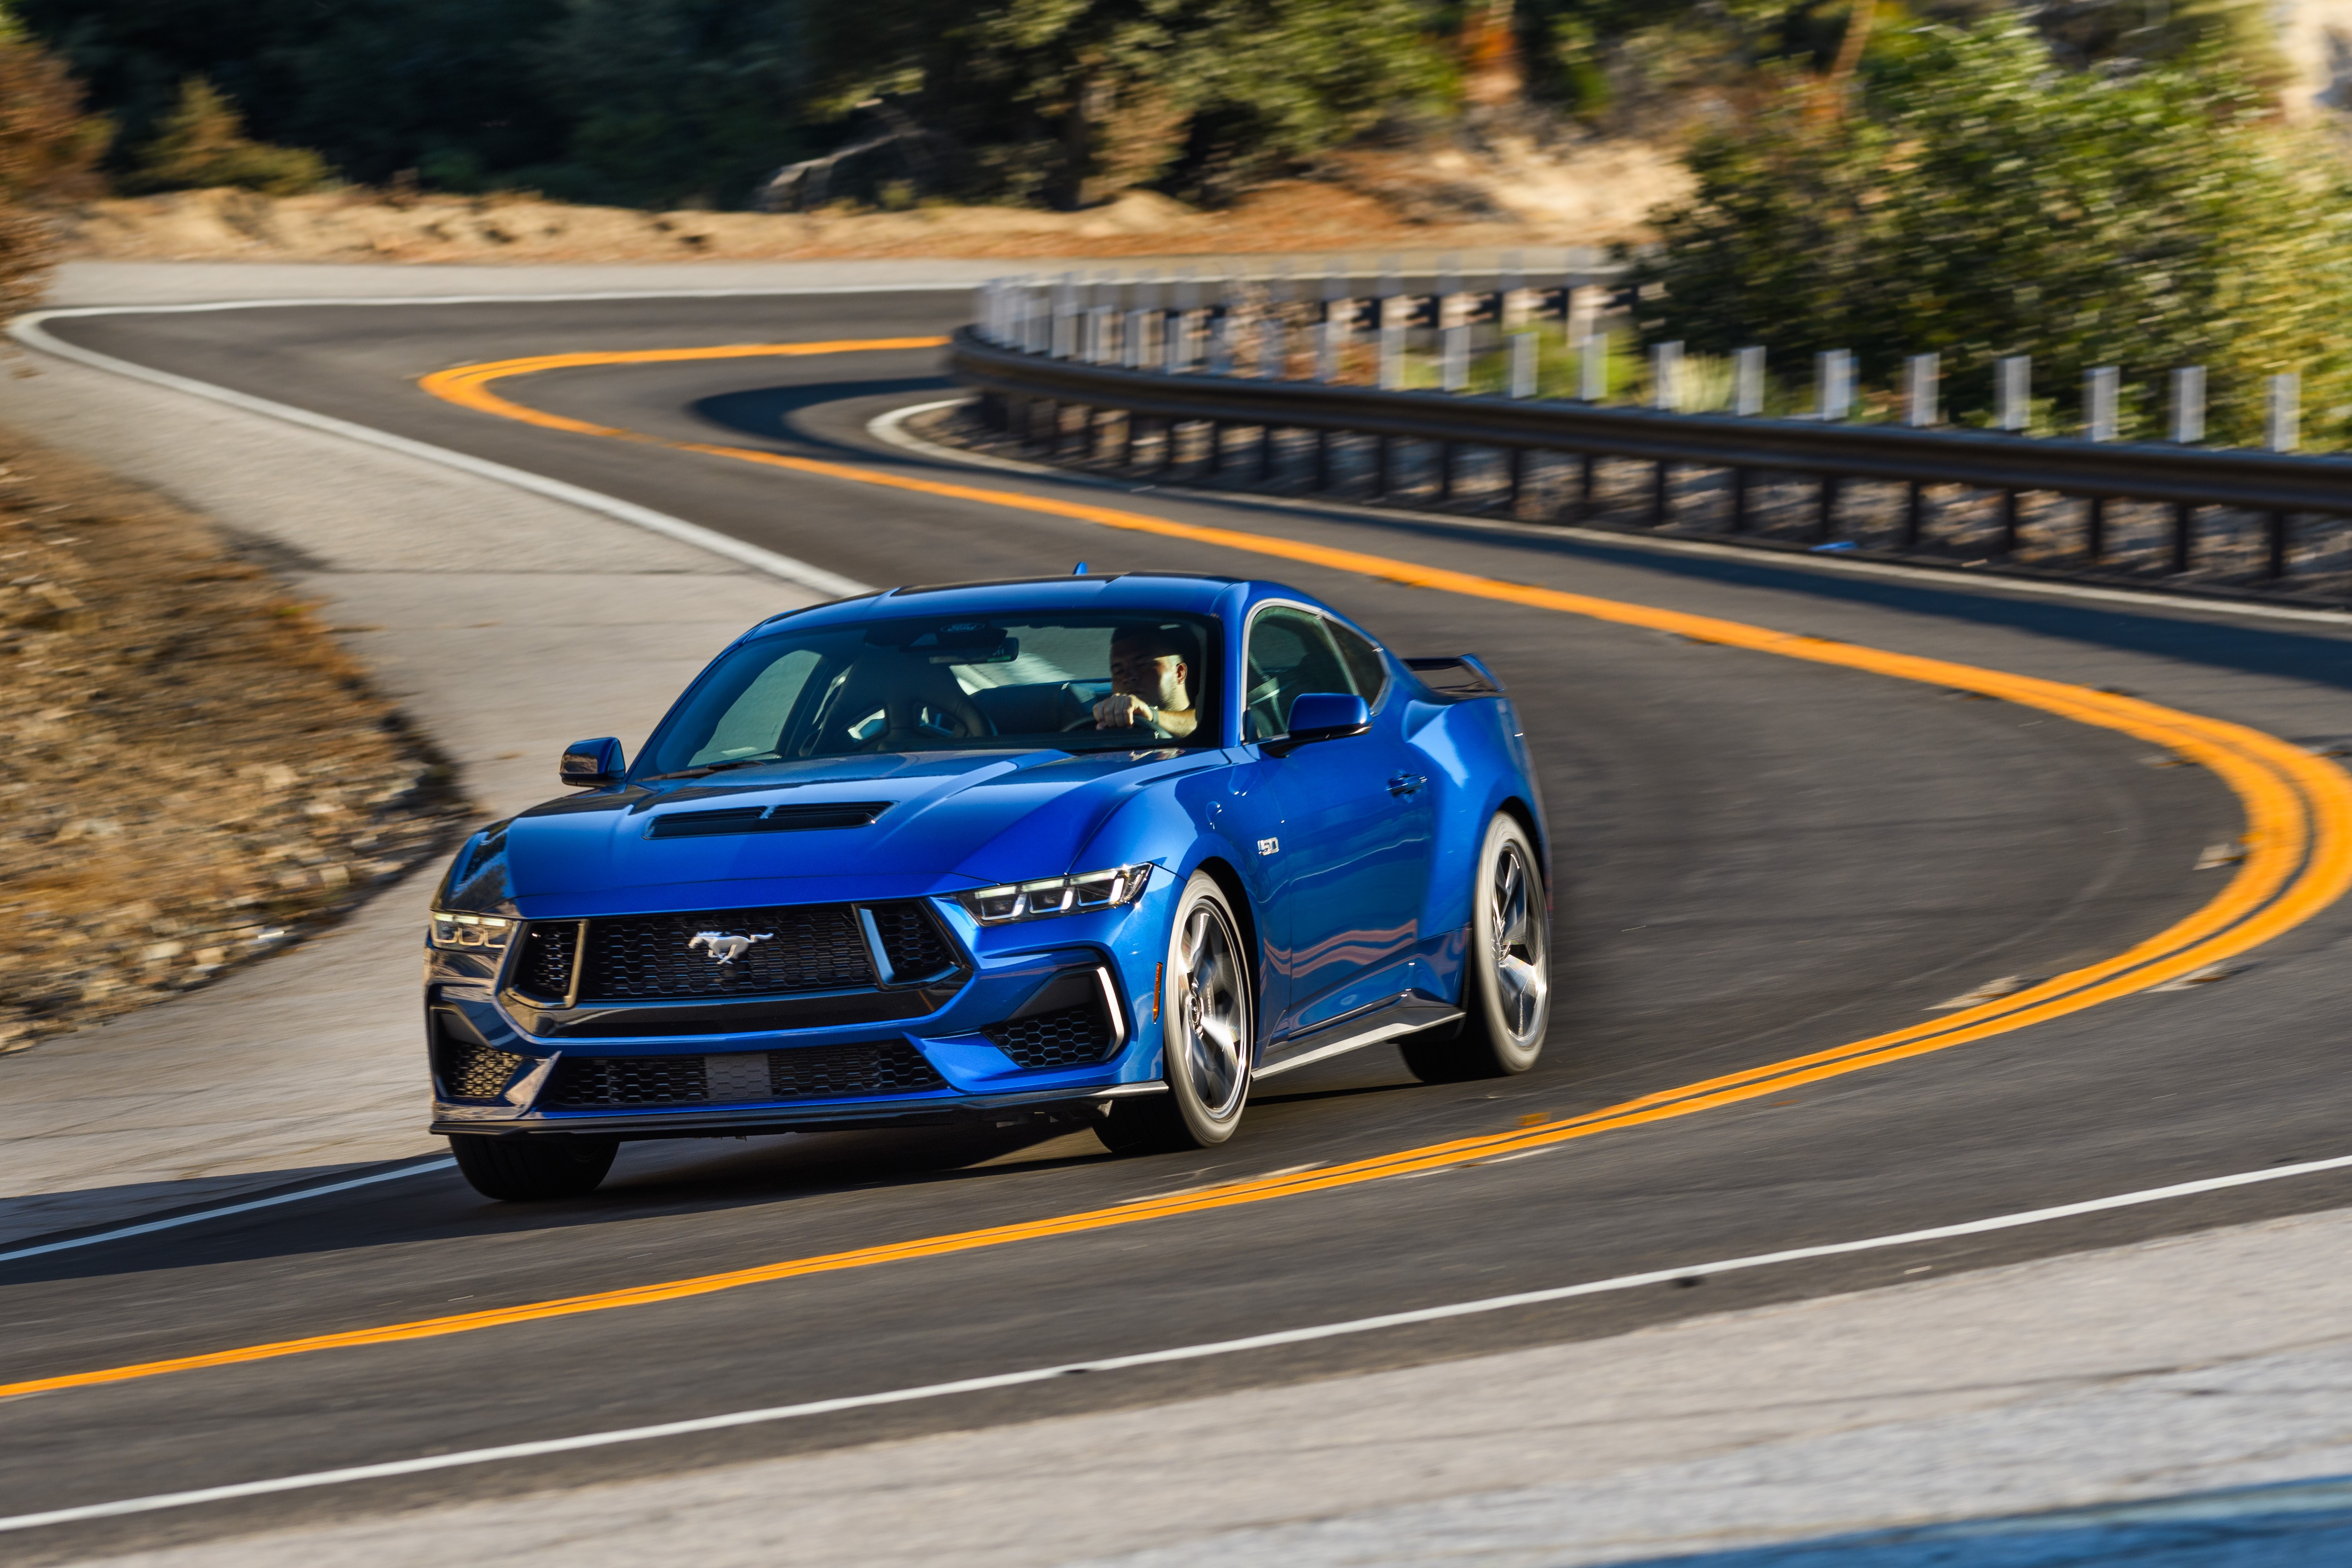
{"points": [[704, 770]]}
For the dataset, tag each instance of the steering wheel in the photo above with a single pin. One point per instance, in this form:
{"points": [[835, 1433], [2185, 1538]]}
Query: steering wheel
{"points": [[1075, 725]]}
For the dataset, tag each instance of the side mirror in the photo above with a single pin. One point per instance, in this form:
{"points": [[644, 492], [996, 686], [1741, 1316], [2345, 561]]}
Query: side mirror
{"points": [[592, 764], [1322, 716]]}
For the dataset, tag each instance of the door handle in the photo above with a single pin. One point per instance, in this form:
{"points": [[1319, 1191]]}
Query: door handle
{"points": [[1402, 784]]}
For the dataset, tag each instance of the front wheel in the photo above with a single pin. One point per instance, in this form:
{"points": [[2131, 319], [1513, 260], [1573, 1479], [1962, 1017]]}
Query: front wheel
{"points": [[1209, 1035], [1506, 984], [551, 1165]]}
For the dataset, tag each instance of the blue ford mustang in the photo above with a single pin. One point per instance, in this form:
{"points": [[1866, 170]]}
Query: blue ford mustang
{"points": [[1098, 848]]}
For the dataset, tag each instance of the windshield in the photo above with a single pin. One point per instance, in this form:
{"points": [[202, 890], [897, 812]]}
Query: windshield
{"points": [[947, 683]]}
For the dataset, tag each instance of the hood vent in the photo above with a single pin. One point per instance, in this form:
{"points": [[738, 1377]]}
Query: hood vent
{"points": [[765, 819]]}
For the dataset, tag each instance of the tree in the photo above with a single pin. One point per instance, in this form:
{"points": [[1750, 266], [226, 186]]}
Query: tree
{"points": [[1988, 201], [202, 143], [47, 149], [1069, 100]]}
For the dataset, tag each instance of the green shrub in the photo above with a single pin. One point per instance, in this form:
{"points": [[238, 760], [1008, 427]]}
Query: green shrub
{"points": [[202, 143], [1989, 202]]}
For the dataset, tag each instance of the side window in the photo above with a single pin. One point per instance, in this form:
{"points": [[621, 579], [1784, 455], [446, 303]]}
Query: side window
{"points": [[1365, 664], [754, 722], [1290, 653]]}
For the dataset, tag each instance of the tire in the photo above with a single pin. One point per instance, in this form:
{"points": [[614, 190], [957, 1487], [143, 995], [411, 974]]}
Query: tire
{"points": [[1209, 1023], [1507, 975], [553, 1165]]}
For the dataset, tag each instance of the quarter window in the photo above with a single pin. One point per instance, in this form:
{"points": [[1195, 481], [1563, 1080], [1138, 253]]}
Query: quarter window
{"points": [[1365, 664], [1291, 653]]}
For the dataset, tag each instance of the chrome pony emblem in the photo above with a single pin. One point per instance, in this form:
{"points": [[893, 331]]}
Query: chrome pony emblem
{"points": [[725, 946]]}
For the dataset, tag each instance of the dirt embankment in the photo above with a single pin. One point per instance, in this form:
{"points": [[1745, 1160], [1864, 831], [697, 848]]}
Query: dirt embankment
{"points": [[1506, 196], [195, 772]]}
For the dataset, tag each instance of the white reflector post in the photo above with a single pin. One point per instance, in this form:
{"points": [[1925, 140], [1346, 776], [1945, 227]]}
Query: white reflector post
{"points": [[2013, 391], [2285, 412], [1457, 358], [1834, 382], [2099, 385], [1523, 365], [1592, 368], [1923, 384], [2189, 404], [1666, 377], [1748, 380]]}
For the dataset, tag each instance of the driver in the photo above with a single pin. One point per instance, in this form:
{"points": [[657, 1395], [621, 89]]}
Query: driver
{"points": [[1150, 684]]}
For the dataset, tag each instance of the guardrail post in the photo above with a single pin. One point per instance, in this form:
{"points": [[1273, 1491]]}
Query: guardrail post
{"points": [[1921, 409], [1825, 519], [2189, 404], [1748, 382], [1738, 501], [2284, 432], [1584, 486], [2013, 392], [2094, 529], [2184, 533], [1455, 358], [2008, 522], [1833, 383], [1666, 377], [2283, 425], [1922, 386], [1065, 317], [2099, 402], [1592, 368]]}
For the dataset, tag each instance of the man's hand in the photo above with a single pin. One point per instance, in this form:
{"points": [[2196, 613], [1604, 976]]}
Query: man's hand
{"points": [[1124, 711]]}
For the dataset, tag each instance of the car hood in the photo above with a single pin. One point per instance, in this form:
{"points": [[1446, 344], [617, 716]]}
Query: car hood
{"points": [[948, 820]]}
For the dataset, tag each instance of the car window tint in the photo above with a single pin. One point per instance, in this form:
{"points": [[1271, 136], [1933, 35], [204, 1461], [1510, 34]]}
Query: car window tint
{"points": [[754, 725], [1290, 654], [1365, 664], [921, 683]]}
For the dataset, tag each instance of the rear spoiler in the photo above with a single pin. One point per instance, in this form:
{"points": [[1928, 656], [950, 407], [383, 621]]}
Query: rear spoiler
{"points": [[1462, 675]]}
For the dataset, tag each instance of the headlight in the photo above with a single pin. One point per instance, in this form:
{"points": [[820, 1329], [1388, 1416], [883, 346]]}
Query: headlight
{"points": [[460, 934], [1056, 895]]}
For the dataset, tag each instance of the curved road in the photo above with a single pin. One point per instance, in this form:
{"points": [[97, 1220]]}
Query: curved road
{"points": [[1757, 858]]}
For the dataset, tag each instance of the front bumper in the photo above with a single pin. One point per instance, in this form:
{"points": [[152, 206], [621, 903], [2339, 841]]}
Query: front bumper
{"points": [[1006, 1042]]}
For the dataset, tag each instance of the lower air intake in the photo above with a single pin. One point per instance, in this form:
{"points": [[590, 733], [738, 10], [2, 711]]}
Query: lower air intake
{"points": [[470, 1071], [809, 1072], [1065, 1037]]}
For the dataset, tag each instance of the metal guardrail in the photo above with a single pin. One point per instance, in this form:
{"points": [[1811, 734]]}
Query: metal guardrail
{"points": [[2277, 485]]}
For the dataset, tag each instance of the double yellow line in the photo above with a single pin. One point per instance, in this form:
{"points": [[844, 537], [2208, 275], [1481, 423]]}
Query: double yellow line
{"points": [[2298, 861]]}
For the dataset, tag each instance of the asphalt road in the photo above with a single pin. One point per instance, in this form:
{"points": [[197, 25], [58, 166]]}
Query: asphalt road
{"points": [[1756, 859]]}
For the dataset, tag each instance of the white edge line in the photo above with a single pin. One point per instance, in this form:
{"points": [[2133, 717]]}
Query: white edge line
{"points": [[29, 330], [526, 298], [198, 1217], [891, 428], [1149, 1358]]}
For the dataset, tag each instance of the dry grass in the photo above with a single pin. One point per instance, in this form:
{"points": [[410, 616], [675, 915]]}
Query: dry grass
{"points": [[195, 773]]}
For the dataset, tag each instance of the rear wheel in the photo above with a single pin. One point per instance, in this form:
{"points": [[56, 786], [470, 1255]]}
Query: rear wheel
{"points": [[1210, 1034], [1507, 986], [553, 1165]]}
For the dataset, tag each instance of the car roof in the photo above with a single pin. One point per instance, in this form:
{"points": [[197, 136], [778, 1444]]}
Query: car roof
{"points": [[1196, 592]]}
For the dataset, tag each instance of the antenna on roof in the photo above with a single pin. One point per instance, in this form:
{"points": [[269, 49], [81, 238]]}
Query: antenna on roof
{"points": [[1079, 570]]}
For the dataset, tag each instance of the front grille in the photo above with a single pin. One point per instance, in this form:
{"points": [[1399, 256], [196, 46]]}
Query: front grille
{"points": [[812, 1072], [765, 819], [594, 1082], [543, 968], [1065, 1037], [470, 1071], [912, 942], [838, 1072], [644, 958]]}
